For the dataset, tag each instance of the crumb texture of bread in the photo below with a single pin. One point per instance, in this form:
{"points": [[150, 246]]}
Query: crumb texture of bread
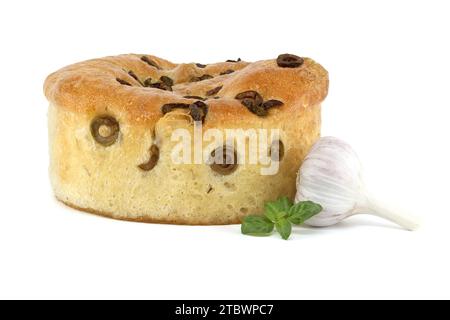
{"points": [[107, 180]]}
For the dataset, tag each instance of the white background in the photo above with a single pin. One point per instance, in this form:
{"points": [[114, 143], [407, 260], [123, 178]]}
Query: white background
{"points": [[389, 98]]}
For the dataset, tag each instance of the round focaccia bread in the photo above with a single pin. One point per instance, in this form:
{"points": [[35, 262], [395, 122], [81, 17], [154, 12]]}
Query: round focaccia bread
{"points": [[112, 123]]}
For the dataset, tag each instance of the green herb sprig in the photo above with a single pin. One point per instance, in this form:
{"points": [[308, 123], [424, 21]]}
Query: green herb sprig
{"points": [[279, 215]]}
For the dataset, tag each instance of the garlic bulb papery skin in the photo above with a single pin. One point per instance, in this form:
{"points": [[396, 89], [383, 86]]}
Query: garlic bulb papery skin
{"points": [[331, 176]]}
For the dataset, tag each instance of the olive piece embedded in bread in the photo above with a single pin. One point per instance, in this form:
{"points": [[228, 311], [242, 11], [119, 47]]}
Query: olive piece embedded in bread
{"points": [[166, 80], [250, 98], [159, 85], [170, 106], [105, 130], [272, 104], [228, 71], [123, 82], [253, 101], [198, 110], [150, 62], [201, 78], [151, 163], [194, 97], [276, 151], [214, 91], [289, 61], [135, 77], [148, 82], [224, 160]]}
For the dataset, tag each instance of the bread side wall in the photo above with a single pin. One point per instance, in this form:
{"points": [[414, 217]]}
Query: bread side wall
{"points": [[107, 179]]}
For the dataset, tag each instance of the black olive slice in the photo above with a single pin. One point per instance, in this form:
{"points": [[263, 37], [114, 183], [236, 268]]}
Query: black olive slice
{"points": [[224, 160], [105, 130], [214, 91], [151, 163], [150, 62], [289, 61], [276, 151]]}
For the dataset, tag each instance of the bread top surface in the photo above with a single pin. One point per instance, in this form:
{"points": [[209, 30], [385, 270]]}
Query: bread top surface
{"points": [[106, 85]]}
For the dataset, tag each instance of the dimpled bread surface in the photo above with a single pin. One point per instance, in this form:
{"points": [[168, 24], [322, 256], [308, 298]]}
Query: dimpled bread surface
{"points": [[110, 180]]}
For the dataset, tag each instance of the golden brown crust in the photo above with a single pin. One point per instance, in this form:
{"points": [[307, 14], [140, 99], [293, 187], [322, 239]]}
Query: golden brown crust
{"points": [[147, 219], [91, 87]]}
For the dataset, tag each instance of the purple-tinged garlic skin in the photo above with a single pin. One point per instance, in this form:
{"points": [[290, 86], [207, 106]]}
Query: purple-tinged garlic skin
{"points": [[331, 176]]}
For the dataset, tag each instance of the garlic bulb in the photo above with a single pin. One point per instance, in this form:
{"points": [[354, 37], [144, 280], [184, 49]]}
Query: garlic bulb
{"points": [[331, 176]]}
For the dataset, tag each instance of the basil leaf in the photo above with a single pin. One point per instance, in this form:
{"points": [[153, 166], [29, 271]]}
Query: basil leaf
{"points": [[284, 228], [256, 226], [302, 211], [285, 203], [279, 214], [282, 204], [273, 213]]}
